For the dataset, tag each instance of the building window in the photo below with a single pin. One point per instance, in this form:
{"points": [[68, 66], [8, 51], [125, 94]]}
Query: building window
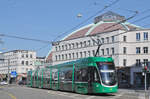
{"points": [[62, 47], [73, 45], [137, 36], [107, 50], [56, 57], [27, 63], [73, 55], [124, 38], [26, 55], [80, 44], [124, 50], [22, 62], [84, 53], [107, 39], [77, 55], [22, 55], [89, 53], [66, 47], [124, 62], [102, 51], [113, 51], [94, 42], [113, 39], [93, 52], [145, 35], [145, 50], [89, 42], [30, 55], [145, 62], [66, 56], [102, 40], [138, 62], [69, 46], [98, 41], [56, 48], [69, 56], [77, 45], [138, 50], [84, 43], [81, 54], [59, 57], [59, 48], [62, 57], [31, 63]]}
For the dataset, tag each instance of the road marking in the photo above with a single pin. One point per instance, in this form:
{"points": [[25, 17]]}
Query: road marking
{"points": [[9, 94], [90, 97], [64, 94], [1, 86], [12, 96]]}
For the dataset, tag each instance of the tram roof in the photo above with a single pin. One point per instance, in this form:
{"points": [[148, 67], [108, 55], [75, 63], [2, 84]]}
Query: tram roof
{"points": [[84, 61]]}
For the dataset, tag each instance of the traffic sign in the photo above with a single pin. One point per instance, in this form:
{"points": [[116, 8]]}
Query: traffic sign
{"points": [[13, 73]]}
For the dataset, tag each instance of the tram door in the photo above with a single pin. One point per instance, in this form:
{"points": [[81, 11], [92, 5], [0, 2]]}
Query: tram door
{"points": [[54, 79], [92, 78]]}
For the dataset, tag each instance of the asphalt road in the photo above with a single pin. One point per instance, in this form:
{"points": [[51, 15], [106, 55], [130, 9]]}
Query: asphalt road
{"points": [[23, 92]]}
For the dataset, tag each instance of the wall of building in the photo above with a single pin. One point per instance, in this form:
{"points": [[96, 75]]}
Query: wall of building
{"points": [[20, 61], [125, 46]]}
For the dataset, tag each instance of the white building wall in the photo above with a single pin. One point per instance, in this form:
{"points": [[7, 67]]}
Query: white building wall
{"points": [[131, 43], [15, 61]]}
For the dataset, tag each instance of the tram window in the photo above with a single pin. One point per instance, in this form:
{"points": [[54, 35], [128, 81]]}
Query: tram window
{"points": [[54, 74], [81, 74], [96, 76], [68, 75], [62, 75]]}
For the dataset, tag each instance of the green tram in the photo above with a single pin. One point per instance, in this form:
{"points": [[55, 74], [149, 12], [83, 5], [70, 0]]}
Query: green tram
{"points": [[87, 75]]}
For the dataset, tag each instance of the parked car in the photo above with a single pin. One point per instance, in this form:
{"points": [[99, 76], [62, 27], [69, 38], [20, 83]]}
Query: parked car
{"points": [[3, 83], [22, 82]]}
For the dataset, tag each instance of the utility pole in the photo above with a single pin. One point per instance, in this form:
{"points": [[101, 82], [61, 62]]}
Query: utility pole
{"points": [[8, 78], [145, 82]]}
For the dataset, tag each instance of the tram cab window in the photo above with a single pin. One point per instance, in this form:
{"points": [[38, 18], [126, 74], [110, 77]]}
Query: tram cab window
{"points": [[107, 73]]}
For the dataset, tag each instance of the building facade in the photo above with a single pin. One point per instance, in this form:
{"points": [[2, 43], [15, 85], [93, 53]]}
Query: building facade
{"points": [[19, 61], [40, 62], [127, 44]]}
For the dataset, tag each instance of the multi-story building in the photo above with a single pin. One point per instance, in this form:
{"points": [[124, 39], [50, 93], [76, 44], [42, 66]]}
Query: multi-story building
{"points": [[40, 62], [127, 43], [19, 61]]}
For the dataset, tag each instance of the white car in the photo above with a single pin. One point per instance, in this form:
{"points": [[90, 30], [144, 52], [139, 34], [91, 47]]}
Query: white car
{"points": [[3, 83]]}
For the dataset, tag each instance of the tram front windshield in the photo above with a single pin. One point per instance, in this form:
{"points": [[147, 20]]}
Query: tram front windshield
{"points": [[107, 73]]}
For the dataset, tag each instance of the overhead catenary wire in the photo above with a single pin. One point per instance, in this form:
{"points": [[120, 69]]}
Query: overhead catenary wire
{"points": [[143, 18], [122, 21], [25, 38], [76, 26]]}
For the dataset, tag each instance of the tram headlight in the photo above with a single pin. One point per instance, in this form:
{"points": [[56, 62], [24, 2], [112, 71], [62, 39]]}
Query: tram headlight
{"points": [[97, 85]]}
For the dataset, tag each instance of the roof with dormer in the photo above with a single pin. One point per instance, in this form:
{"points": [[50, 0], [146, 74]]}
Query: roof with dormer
{"points": [[106, 22]]}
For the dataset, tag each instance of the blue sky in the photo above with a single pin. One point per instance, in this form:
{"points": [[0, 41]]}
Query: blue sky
{"points": [[47, 19]]}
